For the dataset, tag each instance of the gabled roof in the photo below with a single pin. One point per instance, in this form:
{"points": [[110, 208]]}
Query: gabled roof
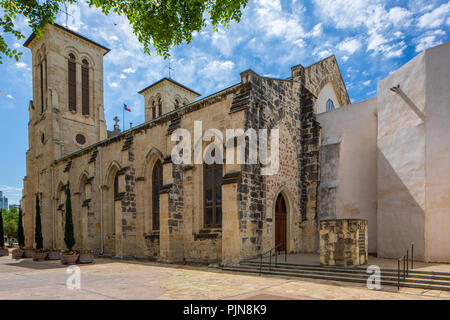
{"points": [[33, 35], [172, 81]]}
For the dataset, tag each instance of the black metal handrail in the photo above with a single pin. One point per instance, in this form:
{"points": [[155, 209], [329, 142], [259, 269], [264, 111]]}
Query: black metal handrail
{"points": [[270, 256], [405, 260]]}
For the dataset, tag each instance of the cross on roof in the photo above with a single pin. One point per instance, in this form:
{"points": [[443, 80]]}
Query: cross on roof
{"points": [[116, 120]]}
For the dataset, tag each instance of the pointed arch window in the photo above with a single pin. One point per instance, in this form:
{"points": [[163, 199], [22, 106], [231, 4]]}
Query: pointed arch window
{"points": [[41, 71], [159, 107], [177, 103], [116, 185], [85, 87], [157, 180], [153, 110], [212, 186], [330, 105], [72, 82]]}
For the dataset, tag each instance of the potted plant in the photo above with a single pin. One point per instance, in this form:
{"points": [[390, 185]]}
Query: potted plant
{"points": [[27, 253], [3, 250], [70, 257], [17, 253], [54, 254], [40, 255], [86, 256]]}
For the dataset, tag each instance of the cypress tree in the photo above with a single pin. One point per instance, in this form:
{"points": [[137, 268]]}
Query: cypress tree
{"points": [[38, 228], [20, 233], [69, 238], [2, 239]]}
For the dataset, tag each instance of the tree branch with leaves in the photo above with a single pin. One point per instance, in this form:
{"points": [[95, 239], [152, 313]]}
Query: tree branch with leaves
{"points": [[158, 24]]}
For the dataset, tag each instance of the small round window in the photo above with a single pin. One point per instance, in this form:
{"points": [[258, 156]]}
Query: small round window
{"points": [[80, 139]]}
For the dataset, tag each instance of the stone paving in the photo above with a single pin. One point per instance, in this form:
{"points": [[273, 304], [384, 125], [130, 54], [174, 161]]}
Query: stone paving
{"points": [[115, 279]]}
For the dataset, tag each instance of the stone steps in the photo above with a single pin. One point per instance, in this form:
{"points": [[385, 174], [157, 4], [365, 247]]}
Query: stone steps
{"points": [[416, 279], [356, 270]]}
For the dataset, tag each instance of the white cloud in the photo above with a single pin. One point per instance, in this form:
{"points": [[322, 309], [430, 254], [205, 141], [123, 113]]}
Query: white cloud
{"points": [[322, 53], [276, 22], [366, 83], [316, 31], [21, 65], [114, 84], [349, 46], [434, 18], [10, 97], [129, 70], [427, 42], [399, 15], [122, 76]]}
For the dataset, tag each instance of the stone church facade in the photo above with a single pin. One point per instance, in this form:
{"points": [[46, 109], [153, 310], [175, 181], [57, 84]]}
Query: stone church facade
{"points": [[130, 199]]}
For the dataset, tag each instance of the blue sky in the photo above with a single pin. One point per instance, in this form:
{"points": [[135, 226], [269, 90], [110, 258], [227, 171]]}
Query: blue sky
{"points": [[370, 39]]}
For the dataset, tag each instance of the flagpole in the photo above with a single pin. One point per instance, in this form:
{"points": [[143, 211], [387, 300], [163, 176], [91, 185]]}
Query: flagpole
{"points": [[123, 124]]}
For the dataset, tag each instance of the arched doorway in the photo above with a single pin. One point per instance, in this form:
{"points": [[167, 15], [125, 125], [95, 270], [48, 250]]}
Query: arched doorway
{"points": [[280, 223]]}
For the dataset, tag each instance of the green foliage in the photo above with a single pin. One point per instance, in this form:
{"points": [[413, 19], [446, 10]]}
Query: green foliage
{"points": [[2, 238], [69, 238], [20, 233], [10, 223], [38, 227], [161, 23]]}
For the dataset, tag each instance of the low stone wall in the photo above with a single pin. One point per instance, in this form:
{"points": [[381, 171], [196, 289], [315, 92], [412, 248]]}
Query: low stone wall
{"points": [[343, 242]]}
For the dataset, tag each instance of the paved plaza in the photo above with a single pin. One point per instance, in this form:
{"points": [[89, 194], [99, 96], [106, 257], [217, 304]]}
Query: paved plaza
{"points": [[115, 279]]}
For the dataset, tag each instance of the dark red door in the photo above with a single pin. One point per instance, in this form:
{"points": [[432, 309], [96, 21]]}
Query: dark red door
{"points": [[280, 223]]}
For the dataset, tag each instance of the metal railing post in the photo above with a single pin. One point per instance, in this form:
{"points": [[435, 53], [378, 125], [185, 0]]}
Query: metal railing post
{"points": [[285, 254], [270, 260], [260, 265], [276, 258], [404, 267], [407, 263], [412, 256], [398, 274]]}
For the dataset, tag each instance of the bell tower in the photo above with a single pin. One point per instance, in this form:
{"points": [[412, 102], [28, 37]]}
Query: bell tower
{"points": [[66, 113]]}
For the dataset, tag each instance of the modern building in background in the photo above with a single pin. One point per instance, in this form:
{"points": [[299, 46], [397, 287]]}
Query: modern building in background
{"points": [[3, 201]]}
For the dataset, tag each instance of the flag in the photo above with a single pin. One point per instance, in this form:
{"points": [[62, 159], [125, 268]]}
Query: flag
{"points": [[126, 108]]}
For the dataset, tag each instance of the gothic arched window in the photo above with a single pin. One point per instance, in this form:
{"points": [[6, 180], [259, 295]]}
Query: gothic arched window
{"points": [[85, 87], [159, 107], [72, 81], [212, 191], [177, 103], [330, 105], [153, 110], [157, 180], [116, 185], [41, 71]]}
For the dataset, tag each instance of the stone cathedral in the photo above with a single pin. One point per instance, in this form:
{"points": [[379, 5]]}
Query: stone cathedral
{"points": [[383, 160]]}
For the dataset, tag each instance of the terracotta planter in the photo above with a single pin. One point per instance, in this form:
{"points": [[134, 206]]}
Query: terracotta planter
{"points": [[69, 259], [86, 258], [28, 253], [39, 256], [17, 254], [4, 252], [54, 255]]}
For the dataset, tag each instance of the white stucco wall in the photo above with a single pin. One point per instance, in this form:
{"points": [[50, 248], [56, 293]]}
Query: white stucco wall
{"points": [[356, 126], [414, 158], [401, 161], [326, 93], [437, 221]]}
